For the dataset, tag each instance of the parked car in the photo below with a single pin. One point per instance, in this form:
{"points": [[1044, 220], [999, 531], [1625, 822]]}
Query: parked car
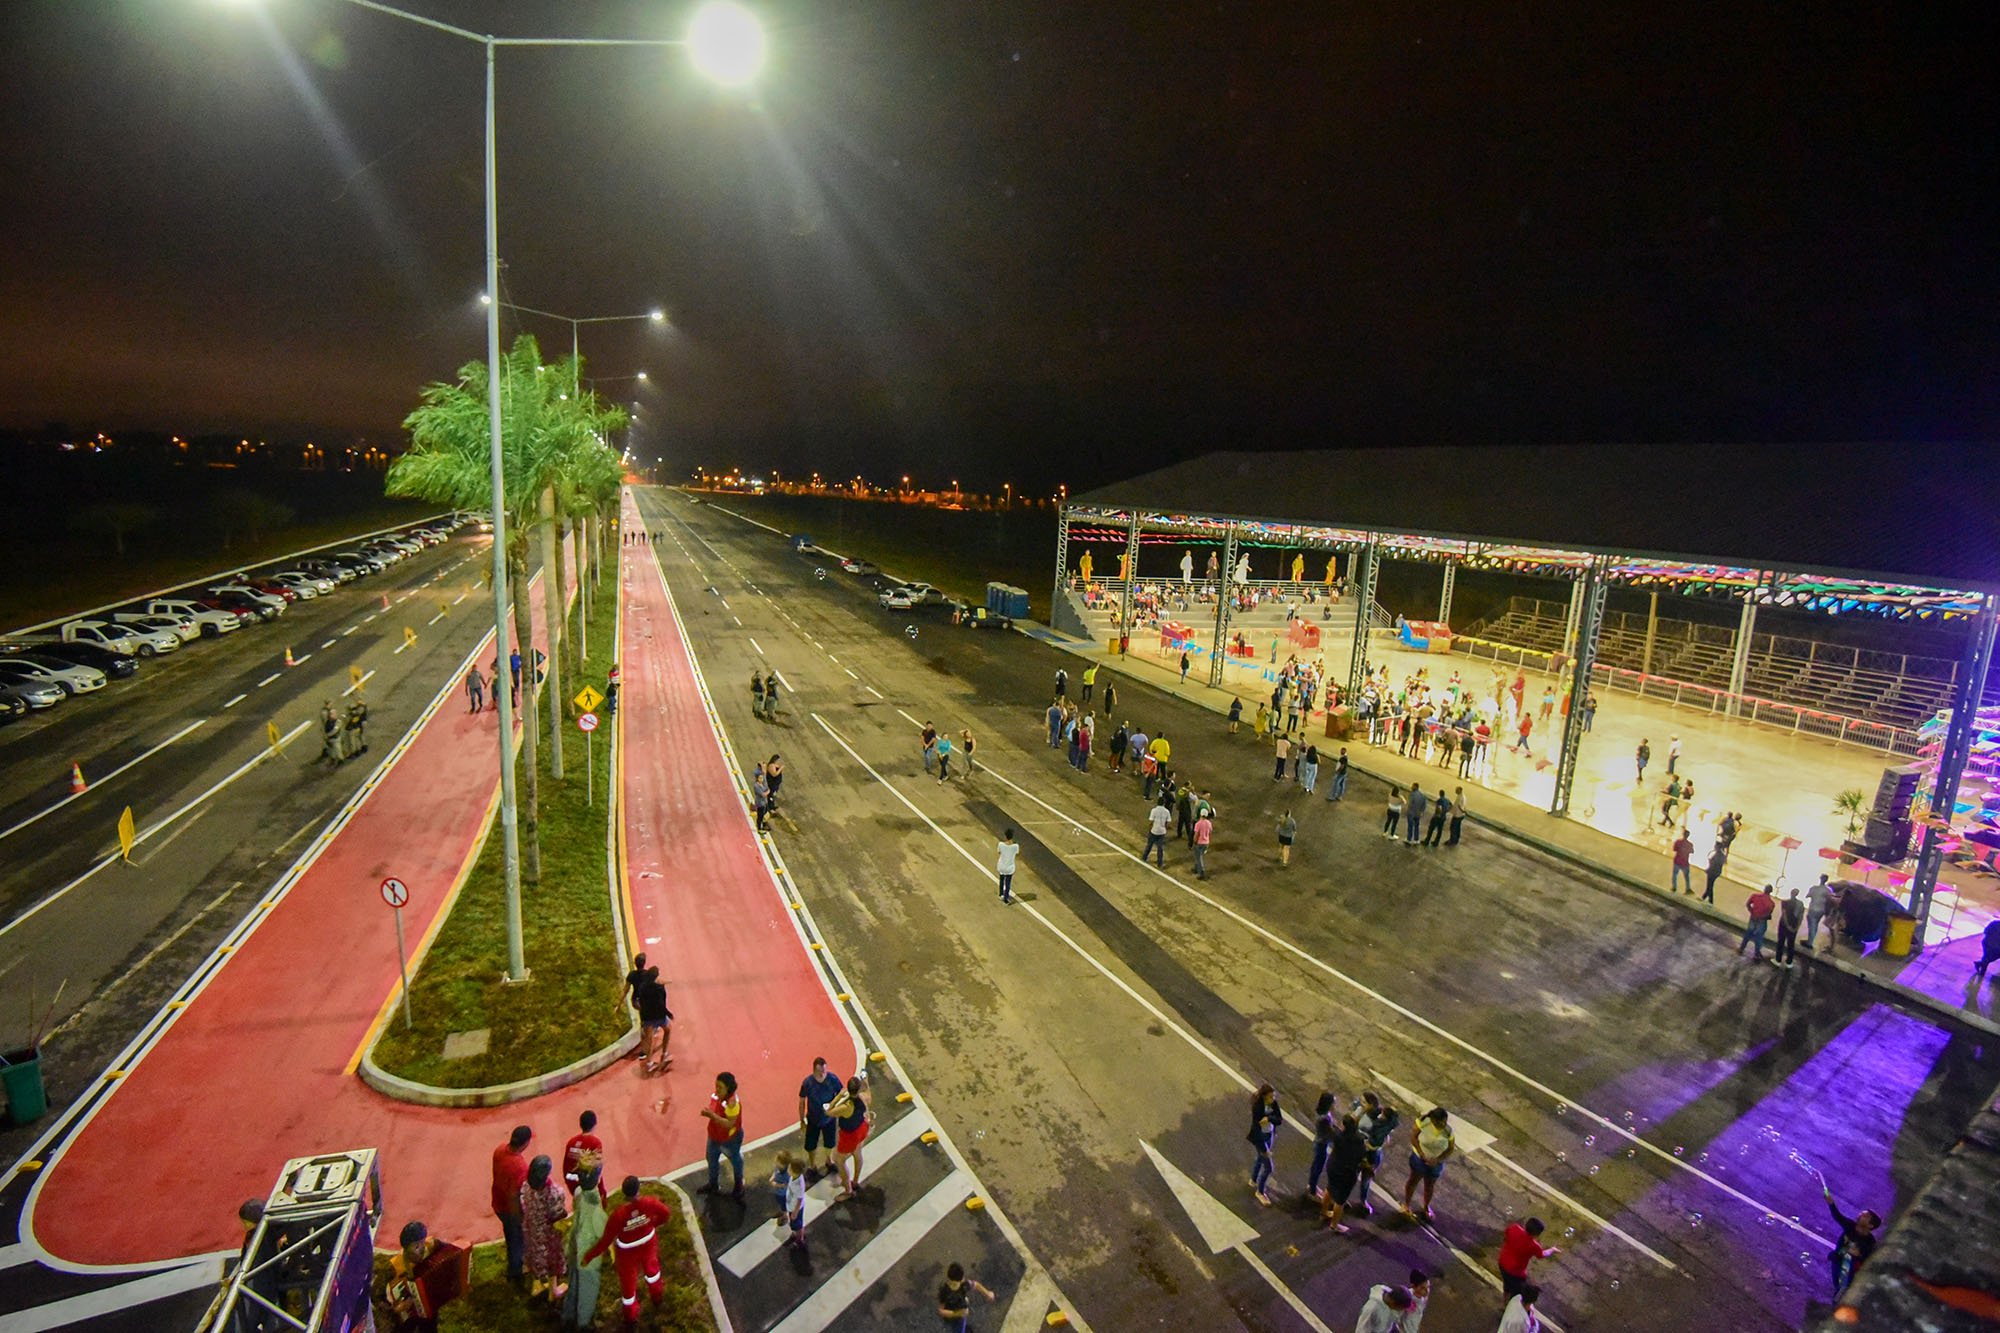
{"points": [[242, 599], [898, 598], [13, 707], [371, 563], [116, 666], [330, 570], [118, 638], [914, 594], [254, 596], [978, 617], [853, 566], [306, 585], [29, 696], [212, 619], [266, 584], [183, 627], [65, 676]]}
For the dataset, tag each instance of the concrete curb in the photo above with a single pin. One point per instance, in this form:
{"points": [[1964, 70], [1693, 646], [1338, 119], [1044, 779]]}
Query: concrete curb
{"points": [[498, 1094], [1978, 1022]]}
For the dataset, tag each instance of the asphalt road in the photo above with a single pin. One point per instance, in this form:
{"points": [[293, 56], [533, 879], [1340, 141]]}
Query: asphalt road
{"points": [[1614, 1067]]}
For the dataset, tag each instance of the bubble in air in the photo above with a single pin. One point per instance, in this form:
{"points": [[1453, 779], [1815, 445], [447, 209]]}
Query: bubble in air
{"points": [[1678, 1150], [1628, 1115], [1562, 1108], [1631, 1152], [1589, 1139], [1614, 1284], [1568, 1232], [1593, 1170], [1562, 1157]]}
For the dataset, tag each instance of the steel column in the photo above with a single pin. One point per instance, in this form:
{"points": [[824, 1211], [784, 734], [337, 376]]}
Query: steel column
{"points": [[1062, 563], [1444, 601], [1967, 692], [1363, 579], [1590, 621], [1739, 662], [1652, 632], [1574, 614], [1218, 656], [1131, 580]]}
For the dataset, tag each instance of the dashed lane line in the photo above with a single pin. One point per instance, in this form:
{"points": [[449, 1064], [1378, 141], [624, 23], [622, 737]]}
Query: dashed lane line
{"points": [[106, 777], [237, 700], [268, 679]]}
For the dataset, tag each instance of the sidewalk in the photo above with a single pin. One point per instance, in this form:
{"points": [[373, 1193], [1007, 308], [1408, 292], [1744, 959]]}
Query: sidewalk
{"points": [[1936, 977]]}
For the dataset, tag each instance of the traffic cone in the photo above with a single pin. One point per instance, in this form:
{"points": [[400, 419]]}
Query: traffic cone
{"points": [[385, 601], [288, 656], [76, 782]]}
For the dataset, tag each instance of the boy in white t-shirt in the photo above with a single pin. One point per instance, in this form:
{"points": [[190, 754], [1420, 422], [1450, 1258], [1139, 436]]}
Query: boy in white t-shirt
{"points": [[1009, 850]]}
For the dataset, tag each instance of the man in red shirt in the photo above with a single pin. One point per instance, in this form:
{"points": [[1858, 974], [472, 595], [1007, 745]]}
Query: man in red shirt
{"points": [[632, 1234], [510, 1169], [583, 1150], [1519, 1247], [1761, 905], [1683, 864]]}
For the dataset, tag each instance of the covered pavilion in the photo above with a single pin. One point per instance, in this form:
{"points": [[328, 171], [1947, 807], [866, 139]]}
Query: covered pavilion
{"points": [[1905, 534]]}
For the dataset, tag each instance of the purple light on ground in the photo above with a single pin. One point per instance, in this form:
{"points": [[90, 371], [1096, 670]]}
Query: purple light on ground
{"points": [[1655, 1093]]}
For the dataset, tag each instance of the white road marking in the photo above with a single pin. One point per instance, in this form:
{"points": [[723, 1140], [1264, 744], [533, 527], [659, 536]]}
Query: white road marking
{"points": [[434, 619], [14, 1255], [739, 623], [349, 630], [764, 1241], [303, 660], [872, 690], [781, 679], [889, 1247], [359, 683], [268, 679], [237, 700], [328, 644], [850, 672], [109, 1300], [758, 646], [105, 778], [400, 647], [461, 597]]}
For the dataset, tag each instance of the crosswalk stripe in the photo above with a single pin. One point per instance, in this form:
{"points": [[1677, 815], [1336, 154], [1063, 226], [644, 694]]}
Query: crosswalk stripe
{"points": [[764, 1241], [890, 1246]]}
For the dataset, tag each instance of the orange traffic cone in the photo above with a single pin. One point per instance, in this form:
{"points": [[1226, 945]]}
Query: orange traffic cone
{"points": [[288, 656], [76, 782], [385, 601]]}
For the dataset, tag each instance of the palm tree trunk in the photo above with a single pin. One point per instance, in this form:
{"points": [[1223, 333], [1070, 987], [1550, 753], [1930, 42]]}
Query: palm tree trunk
{"points": [[553, 609], [530, 803]]}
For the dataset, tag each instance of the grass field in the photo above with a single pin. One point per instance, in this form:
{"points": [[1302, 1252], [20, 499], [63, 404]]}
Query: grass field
{"points": [[493, 1305], [569, 1006]]}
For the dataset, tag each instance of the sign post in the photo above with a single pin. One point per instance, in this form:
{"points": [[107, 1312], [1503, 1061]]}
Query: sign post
{"points": [[587, 724], [396, 893]]}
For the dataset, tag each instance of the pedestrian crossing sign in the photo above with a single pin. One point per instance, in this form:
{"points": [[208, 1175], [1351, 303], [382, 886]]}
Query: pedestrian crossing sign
{"points": [[587, 700], [409, 636], [354, 675]]}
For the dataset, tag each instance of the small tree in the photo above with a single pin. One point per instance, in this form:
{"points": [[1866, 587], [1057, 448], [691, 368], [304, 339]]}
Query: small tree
{"points": [[114, 519], [1852, 803]]}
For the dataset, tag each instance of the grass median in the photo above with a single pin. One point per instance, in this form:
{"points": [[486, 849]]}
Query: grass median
{"points": [[569, 1006]]}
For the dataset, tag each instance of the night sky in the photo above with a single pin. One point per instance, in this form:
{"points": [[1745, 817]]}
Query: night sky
{"points": [[1010, 241]]}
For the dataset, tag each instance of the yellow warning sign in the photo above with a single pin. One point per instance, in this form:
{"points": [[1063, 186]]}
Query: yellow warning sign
{"points": [[125, 833], [587, 699], [354, 675], [409, 636], [277, 737]]}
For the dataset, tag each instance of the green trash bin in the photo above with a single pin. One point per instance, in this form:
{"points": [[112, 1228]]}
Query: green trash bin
{"points": [[21, 1076]]}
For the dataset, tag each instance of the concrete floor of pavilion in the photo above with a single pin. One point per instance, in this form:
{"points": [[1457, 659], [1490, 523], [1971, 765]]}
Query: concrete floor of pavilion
{"points": [[1783, 783]]}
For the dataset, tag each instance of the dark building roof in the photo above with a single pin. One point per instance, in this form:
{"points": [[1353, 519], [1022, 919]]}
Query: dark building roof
{"points": [[1920, 514]]}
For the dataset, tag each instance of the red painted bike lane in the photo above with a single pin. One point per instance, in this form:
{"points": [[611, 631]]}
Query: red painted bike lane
{"points": [[254, 1070]]}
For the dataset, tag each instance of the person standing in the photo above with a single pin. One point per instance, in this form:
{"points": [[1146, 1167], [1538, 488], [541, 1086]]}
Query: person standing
{"points": [[955, 1297], [1326, 1123], [1349, 1154], [760, 797], [475, 689], [1520, 1246], [1718, 857], [579, 1307], [1431, 1146], [1309, 768], [1184, 666], [1336, 783], [930, 739], [1377, 1122], [1055, 720], [1204, 829], [1089, 681], [724, 1114], [1184, 814], [1288, 830], [514, 671], [853, 1120], [1457, 815], [1819, 901], [1413, 814], [1643, 756], [1589, 712], [1162, 754], [1856, 1243], [583, 1151], [1548, 702], [1673, 754], [510, 1171], [944, 757], [1062, 683], [1385, 1310], [816, 1093], [1394, 813], [965, 747], [1683, 879], [1520, 1316], [1791, 914], [632, 1234], [756, 692], [542, 1206], [1260, 725], [771, 695], [1158, 820], [422, 1279], [1235, 715], [790, 1180], [1265, 1117], [1761, 905], [1110, 697], [1989, 950], [1284, 753]]}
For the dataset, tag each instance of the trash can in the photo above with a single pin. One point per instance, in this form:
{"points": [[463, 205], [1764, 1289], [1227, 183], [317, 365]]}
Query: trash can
{"points": [[1897, 938], [21, 1076]]}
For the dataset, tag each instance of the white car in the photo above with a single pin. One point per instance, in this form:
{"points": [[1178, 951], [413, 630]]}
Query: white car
{"points": [[899, 599], [70, 679], [185, 627], [308, 585], [120, 638], [210, 620]]}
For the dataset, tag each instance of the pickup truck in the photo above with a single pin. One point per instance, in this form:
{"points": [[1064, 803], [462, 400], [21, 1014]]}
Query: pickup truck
{"points": [[126, 640], [212, 620]]}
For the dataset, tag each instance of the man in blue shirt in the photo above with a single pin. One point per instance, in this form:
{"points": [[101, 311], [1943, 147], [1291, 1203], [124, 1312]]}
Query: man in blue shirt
{"points": [[814, 1094]]}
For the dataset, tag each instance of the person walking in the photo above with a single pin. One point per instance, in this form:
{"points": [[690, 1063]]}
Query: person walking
{"points": [[929, 737], [1819, 901], [1008, 853], [542, 1206], [475, 689], [1441, 809], [1204, 829], [756, 692], [579, 1302], [1260, 725], [1377, 1122], [1643, 756], [632, 1234], [1718, 857], [1791, 914], [1348, 1154], [1284, 752], [1413, 814], [1761, 905], [583, 1151], [1309, 768], [1520, 745], [955, 1298], [965, 748], [1457, 815], [1856, 1243], [1989, 950], [1235, 715], [1385, 1310], [510, 1172], [1265, 1117], [816, 1093], [1521, 1245], [1089, 682], [1336, 783], [724, 1114], [944, 757], [1683, 879], [1431, 1146], [771, 695], [1288, 830], [853, 1119], [1671, 799], [1394, 814], [1520, 1316]]}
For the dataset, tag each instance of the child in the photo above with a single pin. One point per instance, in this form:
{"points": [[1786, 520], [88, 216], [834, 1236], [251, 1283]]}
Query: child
{"points": [[955, 1297], [788, 1183]]}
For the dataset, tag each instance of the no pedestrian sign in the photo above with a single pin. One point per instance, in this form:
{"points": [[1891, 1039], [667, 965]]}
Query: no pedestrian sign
{"points": [[395, 892], [588, 722]]}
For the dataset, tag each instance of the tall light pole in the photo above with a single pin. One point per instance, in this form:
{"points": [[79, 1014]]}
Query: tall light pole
{"points": [[727, 44]]}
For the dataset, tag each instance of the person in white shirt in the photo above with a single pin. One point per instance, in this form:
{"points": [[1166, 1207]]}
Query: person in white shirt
{"points": [[1009, 850], [1158, 821], [1385, 1310], [1520, 1316], [1420, 1297]]}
